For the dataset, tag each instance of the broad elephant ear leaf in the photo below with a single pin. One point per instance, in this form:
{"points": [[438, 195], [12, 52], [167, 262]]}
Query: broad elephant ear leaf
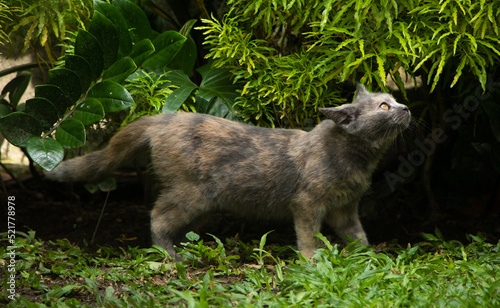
{"points": [[217, 82], [216, 93], [175, 100], [185, 59]]}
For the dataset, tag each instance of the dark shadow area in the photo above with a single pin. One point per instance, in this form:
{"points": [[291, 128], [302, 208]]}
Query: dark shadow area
{"points": [[57, 211]]}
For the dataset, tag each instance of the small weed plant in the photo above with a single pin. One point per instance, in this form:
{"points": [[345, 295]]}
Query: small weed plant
{"points": [[433, 273]]}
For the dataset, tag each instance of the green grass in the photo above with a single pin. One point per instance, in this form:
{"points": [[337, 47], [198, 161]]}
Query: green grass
{"points": [[433, 273]]}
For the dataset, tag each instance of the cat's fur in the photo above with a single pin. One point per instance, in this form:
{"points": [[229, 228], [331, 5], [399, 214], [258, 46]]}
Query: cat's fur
{"points": [[206, 163]]}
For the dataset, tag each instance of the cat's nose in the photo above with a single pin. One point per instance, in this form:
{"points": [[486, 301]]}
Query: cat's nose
{"points": [[405, 108]]}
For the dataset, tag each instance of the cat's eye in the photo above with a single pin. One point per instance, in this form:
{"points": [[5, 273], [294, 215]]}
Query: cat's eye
{"points": [[384, 106]]}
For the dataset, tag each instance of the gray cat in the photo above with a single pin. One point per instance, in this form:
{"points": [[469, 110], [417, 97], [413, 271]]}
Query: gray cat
{"points": [[207, 164]]}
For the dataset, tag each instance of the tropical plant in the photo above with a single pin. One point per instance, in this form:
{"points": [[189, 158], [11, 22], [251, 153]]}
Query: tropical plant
{"points": [[148, 93], [88, 85], [288, 53], [295, 56], [6, 12], [275, 68], [44, 23]]}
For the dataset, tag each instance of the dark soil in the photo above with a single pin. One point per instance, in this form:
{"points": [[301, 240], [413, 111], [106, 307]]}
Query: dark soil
{"points": [[57, 211]]}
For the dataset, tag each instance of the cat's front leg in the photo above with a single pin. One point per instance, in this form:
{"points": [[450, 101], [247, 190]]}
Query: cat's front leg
{"points": [[346, 223], [307, 223]]}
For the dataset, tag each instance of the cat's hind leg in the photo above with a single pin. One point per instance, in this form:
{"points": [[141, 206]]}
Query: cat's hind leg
{"points": [[346, 223], [172, 213]]}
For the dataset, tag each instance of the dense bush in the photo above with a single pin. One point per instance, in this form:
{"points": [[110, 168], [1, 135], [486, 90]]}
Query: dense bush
{"points": [[44, 23], [295, 56], [290, 58], [290, 54]]}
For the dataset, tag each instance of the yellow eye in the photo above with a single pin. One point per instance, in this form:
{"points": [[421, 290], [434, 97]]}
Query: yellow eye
{"points": [[384, 106]]}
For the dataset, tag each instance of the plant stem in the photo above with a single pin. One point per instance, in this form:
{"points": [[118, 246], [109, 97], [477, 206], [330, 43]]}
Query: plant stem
{"points": [[99, 220], [66, 116], [18, 68]]}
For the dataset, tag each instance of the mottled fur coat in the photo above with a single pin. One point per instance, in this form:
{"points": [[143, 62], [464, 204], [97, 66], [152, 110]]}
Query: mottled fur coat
{"points": [[206, 163]]}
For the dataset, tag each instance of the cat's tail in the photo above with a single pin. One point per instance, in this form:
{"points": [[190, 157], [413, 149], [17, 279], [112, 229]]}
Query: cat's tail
{"points": [[97, 165]]}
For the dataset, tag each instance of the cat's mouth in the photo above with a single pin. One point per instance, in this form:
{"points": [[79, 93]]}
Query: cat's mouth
{"points": [[403, 118]]}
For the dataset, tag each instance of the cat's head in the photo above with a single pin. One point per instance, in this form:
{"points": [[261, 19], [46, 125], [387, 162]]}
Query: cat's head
{"points": [[372, 116]]}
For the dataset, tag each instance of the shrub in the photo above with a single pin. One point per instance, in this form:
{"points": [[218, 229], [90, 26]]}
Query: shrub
{"points": [[91, 82], [291, 54], [296, 56]]}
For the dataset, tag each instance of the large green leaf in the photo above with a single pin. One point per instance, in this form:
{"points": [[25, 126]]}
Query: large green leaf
{"points": [[71, 133], [177, 98], [167, 45], [120, 70], [136, 19], [43, 110], [219, 108], [81, 67], [107, 36], [112, 96], [4, 109], [178, 78], [16, 87], [18, 127], [115, 16], [47, 152], [55, 95], [187, 27], [217, 82], [67, 81], [87, 47], [202, 105], [141, 51], [185, 59], [89, 111]]}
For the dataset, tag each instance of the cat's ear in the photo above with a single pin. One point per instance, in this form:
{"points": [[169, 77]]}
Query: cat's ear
{"points": [[361, 90], [342, 115]]}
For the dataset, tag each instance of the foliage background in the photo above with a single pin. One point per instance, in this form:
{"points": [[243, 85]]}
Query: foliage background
{"points": [[288, 52], [286, 59], [273, 63]]}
